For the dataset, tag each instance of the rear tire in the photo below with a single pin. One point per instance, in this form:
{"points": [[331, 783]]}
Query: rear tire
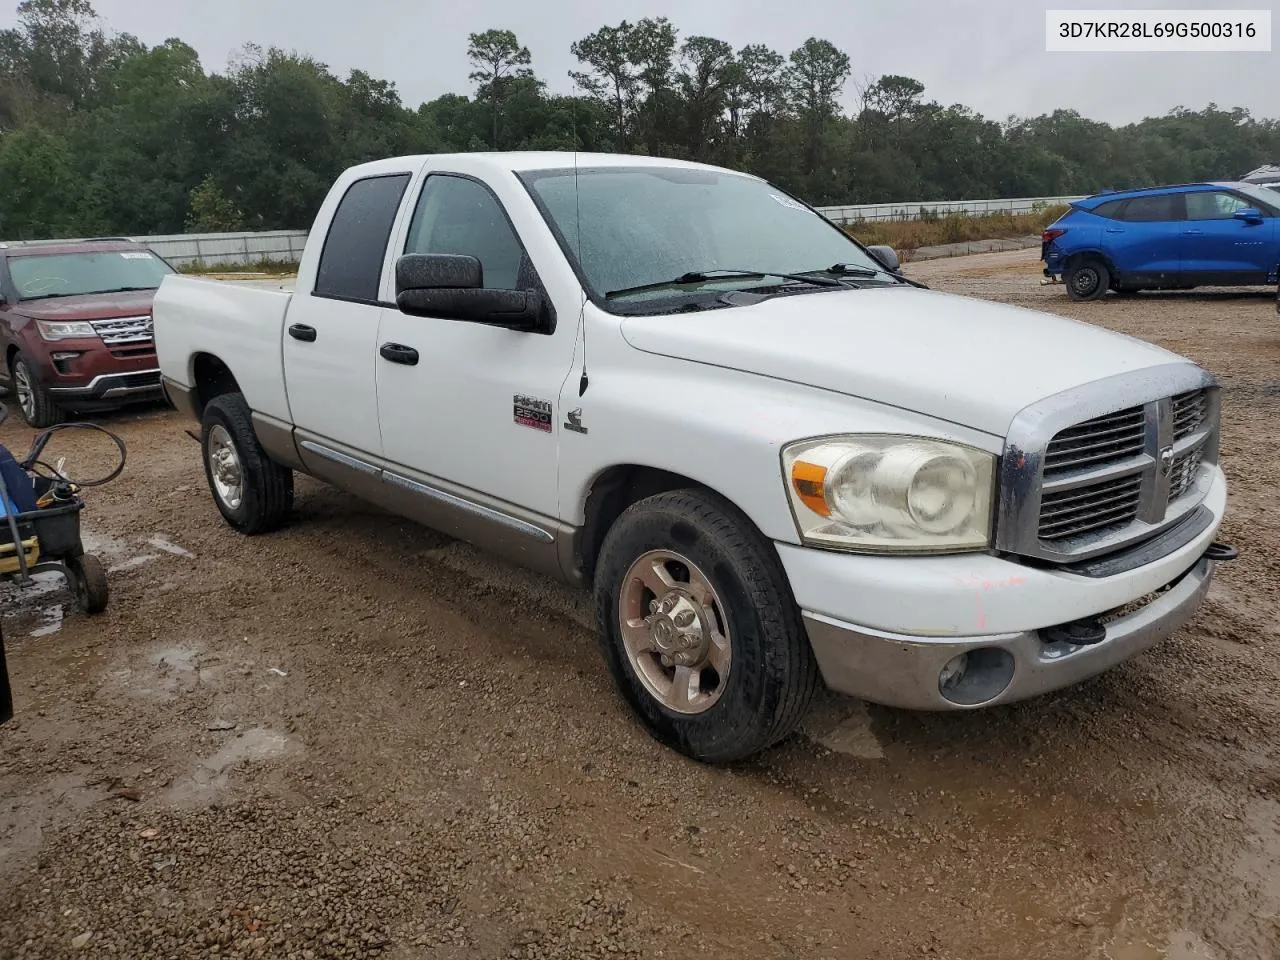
{"points": [[1087, 279], [34, 400], [750, 673], [253, 493]]}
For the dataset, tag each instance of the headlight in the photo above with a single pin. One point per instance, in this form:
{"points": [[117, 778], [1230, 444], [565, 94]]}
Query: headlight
{"points": [[65, 330], [880, 493]]}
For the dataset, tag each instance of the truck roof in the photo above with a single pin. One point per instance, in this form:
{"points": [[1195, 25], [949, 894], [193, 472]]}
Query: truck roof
{"points": [[516, 161]]}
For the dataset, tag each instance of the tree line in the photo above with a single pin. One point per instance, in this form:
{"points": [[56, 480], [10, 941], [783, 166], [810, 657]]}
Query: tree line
{"points": [[101, 134]]}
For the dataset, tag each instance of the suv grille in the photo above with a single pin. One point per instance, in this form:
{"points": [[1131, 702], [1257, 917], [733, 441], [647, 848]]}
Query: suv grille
{"points": [[126, 337], [1119, 476], [123, 331]]}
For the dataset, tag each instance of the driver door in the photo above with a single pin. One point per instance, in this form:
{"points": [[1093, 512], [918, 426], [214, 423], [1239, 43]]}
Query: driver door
{"points": [[463, 402]]}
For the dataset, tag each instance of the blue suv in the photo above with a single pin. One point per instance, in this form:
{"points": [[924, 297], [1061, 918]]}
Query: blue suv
{"points": [[1165, 238]]}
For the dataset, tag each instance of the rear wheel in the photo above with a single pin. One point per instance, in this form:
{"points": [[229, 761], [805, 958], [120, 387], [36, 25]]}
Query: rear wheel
{"points": [[699, 628], [34, 400], [1087, 279], [253, 493]]}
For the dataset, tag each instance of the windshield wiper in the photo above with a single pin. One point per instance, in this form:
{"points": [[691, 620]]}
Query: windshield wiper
{"points": [[119, 290], [705, 276], [848, 270]]}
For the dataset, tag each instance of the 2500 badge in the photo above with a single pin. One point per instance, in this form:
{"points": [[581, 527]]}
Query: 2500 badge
{"points": [[531, 412]]}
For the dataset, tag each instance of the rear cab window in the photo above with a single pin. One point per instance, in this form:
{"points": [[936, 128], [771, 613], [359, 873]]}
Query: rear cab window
{"points": [[355, 247]]}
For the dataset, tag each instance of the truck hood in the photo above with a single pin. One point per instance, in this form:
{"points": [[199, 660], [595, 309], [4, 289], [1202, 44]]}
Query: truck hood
{"points": [[94, 306], [968, 361]]}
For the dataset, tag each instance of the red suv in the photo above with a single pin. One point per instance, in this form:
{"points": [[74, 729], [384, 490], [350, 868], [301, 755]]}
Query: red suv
{"points": [[75, 325]]}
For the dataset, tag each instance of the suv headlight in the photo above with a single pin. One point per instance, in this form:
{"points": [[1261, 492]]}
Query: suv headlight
{"points": [[65, 330], [884, 493]]}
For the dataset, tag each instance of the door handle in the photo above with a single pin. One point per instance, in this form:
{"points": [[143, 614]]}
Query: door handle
{"points": [[1115, 229], [300, 331], [1193, 233], [399, 353]]}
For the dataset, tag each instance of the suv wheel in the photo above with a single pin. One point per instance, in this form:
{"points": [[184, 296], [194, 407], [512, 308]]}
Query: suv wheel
{"points": [[34, 400], [1087, 280], [699, 628]]}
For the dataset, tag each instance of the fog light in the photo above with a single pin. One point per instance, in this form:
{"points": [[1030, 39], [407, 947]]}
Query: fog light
{"points": [[976, 676], [65, 356]]}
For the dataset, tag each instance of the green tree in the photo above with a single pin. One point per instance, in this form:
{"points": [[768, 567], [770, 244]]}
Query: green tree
{"points": [[212, 211], [499, 59], [38, 189]]}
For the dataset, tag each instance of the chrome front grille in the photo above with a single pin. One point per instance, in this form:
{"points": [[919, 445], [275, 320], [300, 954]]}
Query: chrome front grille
{"points": [[1093, 469], [1189, 412], [1186, 469], [1107, 503], [1100, 440], [123, 331]]}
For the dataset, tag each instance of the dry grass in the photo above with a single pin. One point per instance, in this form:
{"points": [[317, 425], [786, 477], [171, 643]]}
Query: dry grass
{"points": [[956, 228]]}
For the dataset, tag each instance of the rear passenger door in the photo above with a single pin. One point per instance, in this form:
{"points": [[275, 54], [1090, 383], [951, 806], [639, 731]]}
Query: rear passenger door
{"points": [[331, 331], [1144, 241]]}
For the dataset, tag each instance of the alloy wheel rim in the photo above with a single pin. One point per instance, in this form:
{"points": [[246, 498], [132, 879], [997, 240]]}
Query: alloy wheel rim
{"points": [[675, 632], [22, 383]]}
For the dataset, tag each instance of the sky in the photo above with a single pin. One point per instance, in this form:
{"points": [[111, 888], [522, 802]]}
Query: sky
{"points": [[987, 55]]}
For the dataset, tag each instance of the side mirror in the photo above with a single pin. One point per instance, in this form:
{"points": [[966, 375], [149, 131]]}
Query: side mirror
{"points": [[1249, 215], [887, 256], [451, 286]]}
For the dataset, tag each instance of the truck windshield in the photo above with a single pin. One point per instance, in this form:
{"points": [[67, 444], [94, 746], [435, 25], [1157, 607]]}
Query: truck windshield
{"points": [[633, 229], [39, 276]]}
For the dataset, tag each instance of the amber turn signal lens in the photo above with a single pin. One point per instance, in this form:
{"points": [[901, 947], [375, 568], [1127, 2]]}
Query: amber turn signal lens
{"points": [[808, 480]]}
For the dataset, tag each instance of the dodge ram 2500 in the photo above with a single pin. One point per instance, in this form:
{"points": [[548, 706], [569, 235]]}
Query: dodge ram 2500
{"points": [[774, 460]]}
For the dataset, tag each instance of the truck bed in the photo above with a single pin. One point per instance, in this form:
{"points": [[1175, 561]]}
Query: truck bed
{"points": [[241, 323]]}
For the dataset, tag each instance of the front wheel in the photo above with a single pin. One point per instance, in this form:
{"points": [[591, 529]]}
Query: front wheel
{"points": [[1087, 280], [34, 400], [699, 628], [253, 493]]}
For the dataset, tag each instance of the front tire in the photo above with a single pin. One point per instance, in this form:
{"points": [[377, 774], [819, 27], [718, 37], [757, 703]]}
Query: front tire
{"points": [[699, 628], [1087, 280], [34, 400], [253, 493]]}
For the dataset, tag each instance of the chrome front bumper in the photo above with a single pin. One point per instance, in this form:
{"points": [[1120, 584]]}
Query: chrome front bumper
{"points": [[906, 671]]}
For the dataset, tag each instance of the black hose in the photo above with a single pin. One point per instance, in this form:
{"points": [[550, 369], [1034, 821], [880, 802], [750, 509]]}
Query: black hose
{"points": [[32, 459]]}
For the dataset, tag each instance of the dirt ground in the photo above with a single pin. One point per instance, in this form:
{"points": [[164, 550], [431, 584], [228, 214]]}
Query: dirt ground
{"points": [[355, 738]]}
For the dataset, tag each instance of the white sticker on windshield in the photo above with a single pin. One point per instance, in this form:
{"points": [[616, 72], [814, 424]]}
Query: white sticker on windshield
{"points": [[136, 256], [788, 202]]}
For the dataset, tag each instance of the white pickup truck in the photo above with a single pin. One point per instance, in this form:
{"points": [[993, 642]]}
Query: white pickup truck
{"points": [[774, 460]]}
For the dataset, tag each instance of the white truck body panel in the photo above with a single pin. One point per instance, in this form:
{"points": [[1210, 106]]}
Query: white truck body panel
{"points": [[229, 321], [859, 341]]}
